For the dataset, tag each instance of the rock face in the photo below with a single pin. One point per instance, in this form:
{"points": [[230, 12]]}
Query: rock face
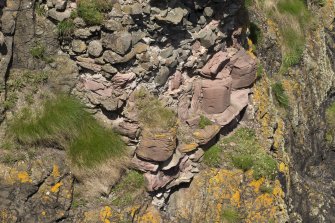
{"points": [[184, 52]]}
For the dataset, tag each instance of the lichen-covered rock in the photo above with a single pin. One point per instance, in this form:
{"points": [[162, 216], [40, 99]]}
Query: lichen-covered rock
{"points": [[95, 48]]}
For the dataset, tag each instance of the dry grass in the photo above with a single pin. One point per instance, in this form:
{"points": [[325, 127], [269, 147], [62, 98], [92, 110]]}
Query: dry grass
{"points": [[97, 181]]}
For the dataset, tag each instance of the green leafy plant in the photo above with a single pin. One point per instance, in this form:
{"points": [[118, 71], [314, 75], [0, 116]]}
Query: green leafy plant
{"points": [[204, 121], [38, 51], [266, 189], [243, 161], [212, 156]]}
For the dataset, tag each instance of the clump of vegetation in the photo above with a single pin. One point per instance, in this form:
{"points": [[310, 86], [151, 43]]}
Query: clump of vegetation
{"points": [[63, 122], [18, 81], [39, 9], [152, 112], [128, 188], [212, 156], [260, 71], [266, 189], [204, 121], [230, 215], [280, 95], [65, 28], [243, 161], [293, 19], [39, 52], [243, 151], [91, 11], [255, 33]]}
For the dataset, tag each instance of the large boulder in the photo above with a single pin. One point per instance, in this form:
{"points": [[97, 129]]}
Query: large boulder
{"points": [[243, 70], [157, 145], [119, 42], [216, 95]]}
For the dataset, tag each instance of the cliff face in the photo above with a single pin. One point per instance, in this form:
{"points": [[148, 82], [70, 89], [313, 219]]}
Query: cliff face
{"points": [[172, 78]]}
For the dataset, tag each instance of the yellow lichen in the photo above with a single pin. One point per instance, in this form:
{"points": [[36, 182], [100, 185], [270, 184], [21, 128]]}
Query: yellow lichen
{"points": [[105, 214], [55, 188], [24, 177], [256, 184], [55, 171]]}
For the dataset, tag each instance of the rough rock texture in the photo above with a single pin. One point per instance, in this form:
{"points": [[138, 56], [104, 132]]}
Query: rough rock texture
{"points": [[190, 54]]}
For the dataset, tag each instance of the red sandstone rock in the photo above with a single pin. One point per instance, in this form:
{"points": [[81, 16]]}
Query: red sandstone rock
{"points": [[215, 64], [144, 165], [216, 95], [156, 145]]}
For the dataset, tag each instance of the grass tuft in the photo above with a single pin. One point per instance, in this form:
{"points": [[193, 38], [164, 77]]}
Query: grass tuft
{"points": [[92, 10], [280, 95], [65, 28], [65, 123], [230, 215], [152, 112], [243, 151], [212, 156], [204, 121], [125, 190]]}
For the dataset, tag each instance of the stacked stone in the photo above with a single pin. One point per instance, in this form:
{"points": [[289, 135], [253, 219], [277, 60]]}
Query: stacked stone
{"points": [[177, 49]]}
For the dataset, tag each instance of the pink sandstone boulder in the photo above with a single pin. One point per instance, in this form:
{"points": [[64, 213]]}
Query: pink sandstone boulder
{"points": [[157, 145], [215, 64], [243, 70], [216, 95], [203, 136], [144, 165]]}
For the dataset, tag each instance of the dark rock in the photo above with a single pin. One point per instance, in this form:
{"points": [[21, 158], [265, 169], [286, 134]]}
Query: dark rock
{"points": [[119, 42], [162, 76], [95, 48]]}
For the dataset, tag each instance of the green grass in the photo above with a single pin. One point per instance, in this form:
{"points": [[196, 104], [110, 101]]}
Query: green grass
{"points": [[204, 121], [294, 7], [255, 33], [243, 150], [38, 51], [242, 161], [212, 156], [230, 215], [65, 28], [39, 10], [266, 189], [280, 95], [91, 11], [125, 191], [65, 123], [152, 112]]}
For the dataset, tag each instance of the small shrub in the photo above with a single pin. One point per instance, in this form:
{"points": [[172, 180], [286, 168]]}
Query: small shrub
{"points": [[230, 215], [65, 123], [65, 28], [260, 71], [243, 161], [125, 190], [204, 121], [247, 153], [330, 123], [212, 156], [38, 51], [39, 9], [152, 112], [280, 95], [255, 33], [266, 189], [91, 10], [264, 166]]}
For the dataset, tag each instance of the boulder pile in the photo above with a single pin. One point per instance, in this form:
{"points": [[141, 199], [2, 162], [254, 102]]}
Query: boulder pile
{"points": [[188, 53]]}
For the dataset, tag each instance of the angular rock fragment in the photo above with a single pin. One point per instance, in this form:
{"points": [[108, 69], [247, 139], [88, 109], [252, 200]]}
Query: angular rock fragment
{"points": [[156, 145], [119, 42], [144, 165], [203, 136]]}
